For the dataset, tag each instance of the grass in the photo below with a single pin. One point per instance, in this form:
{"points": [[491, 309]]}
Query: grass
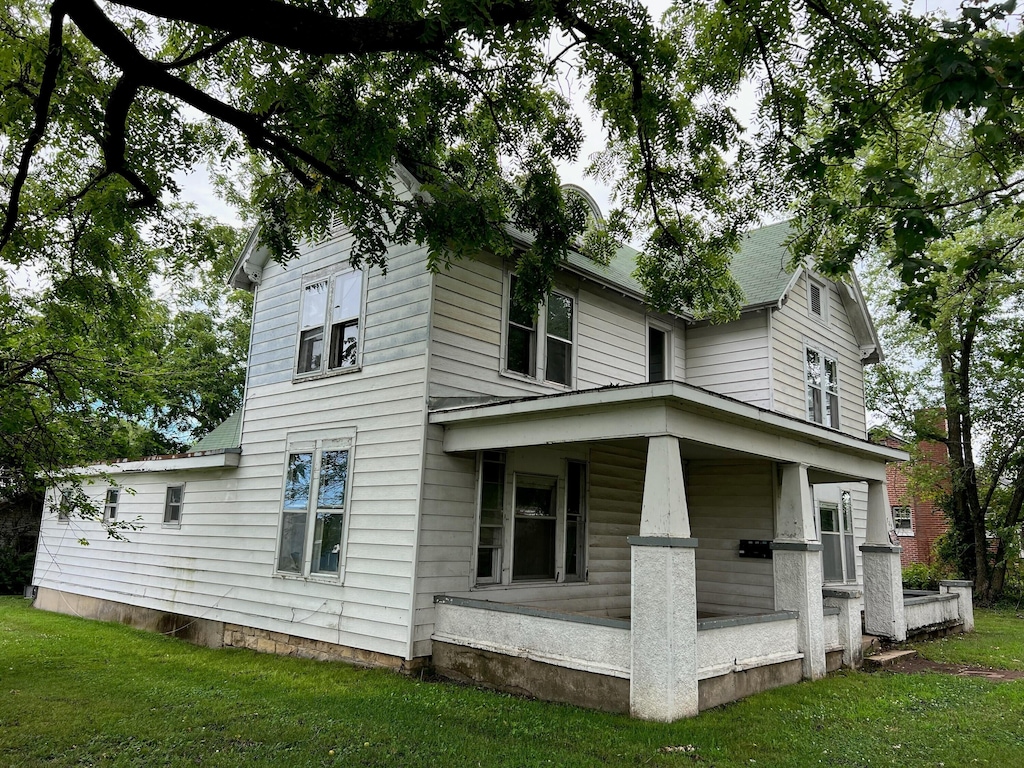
{"points": [[82, 693], [998, 641]]}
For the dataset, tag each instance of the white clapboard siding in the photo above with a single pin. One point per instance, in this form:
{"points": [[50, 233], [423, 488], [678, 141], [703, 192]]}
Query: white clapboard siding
{"points": [[792, 328], [221, 563], [729, 501], [731, 359]]}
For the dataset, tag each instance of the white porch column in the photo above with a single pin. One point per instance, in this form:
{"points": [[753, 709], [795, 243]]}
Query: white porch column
{"points": [[663, 681], [884, 614], [796, 563]]}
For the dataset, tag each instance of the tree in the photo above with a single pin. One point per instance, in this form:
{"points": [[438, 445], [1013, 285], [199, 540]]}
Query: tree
{"points": [[321, 101], [967, 356]]}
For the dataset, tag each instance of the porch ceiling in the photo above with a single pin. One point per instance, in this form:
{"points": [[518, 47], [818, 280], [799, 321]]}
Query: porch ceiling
{"points": [[708, 426]]}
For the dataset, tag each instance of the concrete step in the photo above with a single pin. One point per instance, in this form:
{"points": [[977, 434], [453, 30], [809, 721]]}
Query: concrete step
{"points": [[869, 645], [888, 658]]}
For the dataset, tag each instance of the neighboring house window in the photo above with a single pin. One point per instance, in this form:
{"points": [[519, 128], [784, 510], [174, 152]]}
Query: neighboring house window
{"points": [[110, 505], [817, 300], [551, 360], [657, 354], [539, 519], [315, 491], [822, 373], [902, 519], [329, 323], [839, 563], [173, 504], [63, 508]]}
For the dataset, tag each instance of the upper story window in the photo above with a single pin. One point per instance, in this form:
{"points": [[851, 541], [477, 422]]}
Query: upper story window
{"points": [[110, 505], [315, 491], [822, 375], [659, 360], [329, 323], [817, 300], [539, 341]]}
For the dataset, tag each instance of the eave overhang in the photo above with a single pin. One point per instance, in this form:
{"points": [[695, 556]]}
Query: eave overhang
{"points": [[701, 419], [216, 459]]}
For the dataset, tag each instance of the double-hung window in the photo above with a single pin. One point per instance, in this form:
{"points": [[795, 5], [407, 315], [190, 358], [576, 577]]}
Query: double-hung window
{"points": [[903, 520], [313, 507], [532, 523], [539, 340], [173, 502], [329, 323], [822, 375], [839, 562], [110, 505]]}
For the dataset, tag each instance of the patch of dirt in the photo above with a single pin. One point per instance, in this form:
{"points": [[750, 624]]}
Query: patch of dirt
{"points": [[916, 665]]}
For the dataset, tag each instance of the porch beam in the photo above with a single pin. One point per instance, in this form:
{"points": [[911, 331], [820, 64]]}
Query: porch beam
{"points": [[796, 565], [884, 612]]}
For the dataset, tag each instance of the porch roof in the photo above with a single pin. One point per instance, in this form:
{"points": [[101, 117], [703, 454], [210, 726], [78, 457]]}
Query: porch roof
{"points": [[708, 425]]}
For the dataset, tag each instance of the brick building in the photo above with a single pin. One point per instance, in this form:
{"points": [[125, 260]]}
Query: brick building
{"points": [[918, 519]]}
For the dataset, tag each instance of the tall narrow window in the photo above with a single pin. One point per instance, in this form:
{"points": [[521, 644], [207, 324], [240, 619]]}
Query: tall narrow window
{"points": [[315, 489], [492, 515], [521, 344], [110, 505], [533, 555], [822, 389], [329, 323], [575, 521], [837, 539], [173, 504], [558, 366], [656, 354], [817, 301]]}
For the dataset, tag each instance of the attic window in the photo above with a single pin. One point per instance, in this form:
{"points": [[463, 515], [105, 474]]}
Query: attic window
{"points": [[817, 301]]}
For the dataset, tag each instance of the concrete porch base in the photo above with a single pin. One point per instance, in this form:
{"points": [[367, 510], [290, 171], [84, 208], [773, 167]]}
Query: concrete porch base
{"points": [[715, 691]]}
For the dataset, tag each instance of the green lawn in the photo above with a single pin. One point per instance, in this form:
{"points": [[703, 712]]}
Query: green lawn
{"points": [[80, 693], [998, 641]]}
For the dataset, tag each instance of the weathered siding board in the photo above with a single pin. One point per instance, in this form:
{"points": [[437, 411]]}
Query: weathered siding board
{"points": [[731, 359], [792, 328], [729, 501]]}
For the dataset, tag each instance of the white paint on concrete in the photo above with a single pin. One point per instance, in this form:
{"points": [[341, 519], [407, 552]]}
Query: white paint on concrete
{"points": [[965, 591], [934, 610], [664, 511], [733, 649], [848, 623]]}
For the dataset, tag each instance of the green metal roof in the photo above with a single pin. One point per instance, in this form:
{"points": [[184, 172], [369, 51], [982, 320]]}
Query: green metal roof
{"points": [[227, 434]]}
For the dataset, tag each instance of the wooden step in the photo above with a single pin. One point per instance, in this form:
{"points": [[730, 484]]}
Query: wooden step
{"points": [[887, 659]]}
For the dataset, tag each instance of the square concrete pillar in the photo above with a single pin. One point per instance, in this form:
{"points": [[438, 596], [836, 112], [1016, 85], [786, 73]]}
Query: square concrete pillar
{"points": [[663, 623], [663, 619], [796, 564], [965, 590], [848, 602], [884, 613]]}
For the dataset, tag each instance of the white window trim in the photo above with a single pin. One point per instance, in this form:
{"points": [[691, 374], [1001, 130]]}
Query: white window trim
{"points": [[316, 443], [316, 277], [669, 361], [517, 463], [842, 534], [181, 506], [822, 286], [540, 338], [902, 531], [824, 352], [112, 507]]}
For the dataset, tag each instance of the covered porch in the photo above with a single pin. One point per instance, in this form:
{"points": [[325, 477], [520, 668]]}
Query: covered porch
{"points": [[720, 591]]}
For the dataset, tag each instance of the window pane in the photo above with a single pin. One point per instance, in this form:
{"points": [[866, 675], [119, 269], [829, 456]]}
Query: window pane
{"points": [[327, 543], [293, 539], [534, 549], [832, 558], [559, 316], [344, 344], [655, 355], [333, 477], [311, 349], [535, 496], [297, 481], [832, 414], [314, 305], [347, 292], [518, 313], [851, 557], [519, 357], [559, 362], [831, 376], [174, 494], [813, 368], [575, 520], [829, 517], [112, 495]]}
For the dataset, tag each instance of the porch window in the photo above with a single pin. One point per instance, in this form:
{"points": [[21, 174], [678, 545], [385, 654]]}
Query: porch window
{"points": [[903, 520], [839, 562], [329, 323], [575, 521], [110, 505], [822, 375], [533, 553], [539, 340], [172, 506], [492, 529], [315, 491]]}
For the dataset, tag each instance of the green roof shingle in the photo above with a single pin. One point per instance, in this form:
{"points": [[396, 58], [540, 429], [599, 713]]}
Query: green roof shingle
{"points": [[227, 434]]}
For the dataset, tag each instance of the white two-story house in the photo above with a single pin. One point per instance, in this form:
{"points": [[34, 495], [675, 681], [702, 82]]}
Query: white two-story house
{"points": [[597, 503]]}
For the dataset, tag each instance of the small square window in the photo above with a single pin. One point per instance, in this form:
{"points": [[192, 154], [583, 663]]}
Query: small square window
{"points": [[172, 505]]}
